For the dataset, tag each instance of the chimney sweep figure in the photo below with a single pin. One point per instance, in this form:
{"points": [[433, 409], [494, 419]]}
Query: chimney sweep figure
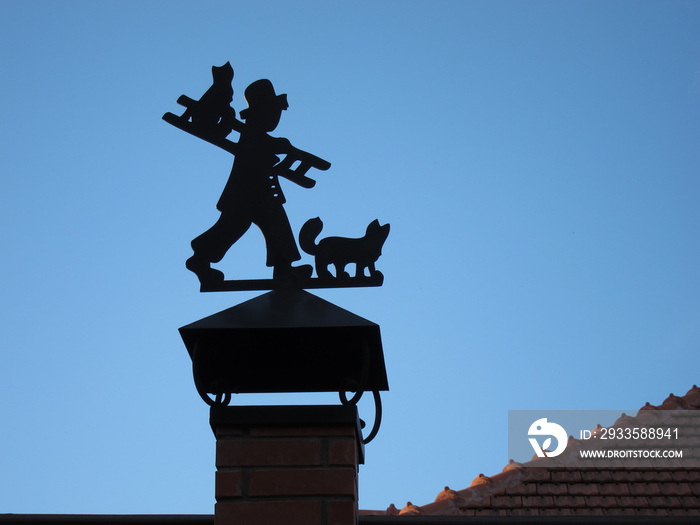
{"points": [[253, 194]]}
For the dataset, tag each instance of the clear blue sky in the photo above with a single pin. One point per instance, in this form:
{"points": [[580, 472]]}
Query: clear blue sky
{"points": [[538, 162]]}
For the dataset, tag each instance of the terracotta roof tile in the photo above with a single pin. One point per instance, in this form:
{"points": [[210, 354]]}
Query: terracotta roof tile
{"points": [[537, 474], [693, 397], [551, 489], [410, 508], [652, 512], [538, 501], [614, 489], [631, 502], [571, 502], [446, 493], [692, 502], [596, 476], [525, 489], [566, 476], [626, 476], [584, 489], [531, 489], [480, 480], [512, 465], [675, 489], [643, 489], [506, 501], [692, 476], [620, 511], [445, 507]]}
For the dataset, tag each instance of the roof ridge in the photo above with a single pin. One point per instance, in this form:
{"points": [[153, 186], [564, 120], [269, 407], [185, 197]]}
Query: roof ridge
{"points": [[483, 487], [689, 401]]}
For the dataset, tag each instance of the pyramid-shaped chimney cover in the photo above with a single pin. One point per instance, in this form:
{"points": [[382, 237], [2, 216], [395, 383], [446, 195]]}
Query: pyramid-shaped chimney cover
{"points": [[285, 341]]}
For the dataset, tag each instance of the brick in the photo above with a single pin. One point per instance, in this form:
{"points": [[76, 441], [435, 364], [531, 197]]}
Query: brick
{"points": [[341, 512], [342, 452], [268, 513], [228, 484], [302, 482], [262, 452]]}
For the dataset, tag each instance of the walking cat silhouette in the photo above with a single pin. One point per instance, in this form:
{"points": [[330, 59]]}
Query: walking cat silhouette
{"points": [[341, 251]]}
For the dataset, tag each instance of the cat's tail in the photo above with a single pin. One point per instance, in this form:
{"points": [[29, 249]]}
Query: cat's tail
{"points": [[307, 236]]}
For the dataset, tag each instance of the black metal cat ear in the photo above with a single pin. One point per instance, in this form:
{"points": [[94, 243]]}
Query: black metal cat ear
{"points": [[253, 195]]}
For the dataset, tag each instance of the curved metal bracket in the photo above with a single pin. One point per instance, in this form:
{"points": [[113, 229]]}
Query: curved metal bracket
{"points": [[359, 390], [220, 399], [377, 417], [377, 411]]}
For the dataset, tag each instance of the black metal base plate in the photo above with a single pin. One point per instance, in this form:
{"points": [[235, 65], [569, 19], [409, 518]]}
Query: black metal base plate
{"points": [[308, 284]]}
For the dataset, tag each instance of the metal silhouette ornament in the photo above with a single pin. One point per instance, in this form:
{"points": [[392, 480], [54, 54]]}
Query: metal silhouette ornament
{"points": [[286, 340], [253, 195]]}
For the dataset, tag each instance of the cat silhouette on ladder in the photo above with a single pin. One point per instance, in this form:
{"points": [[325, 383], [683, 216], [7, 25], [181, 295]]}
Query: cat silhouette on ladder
{"points": [[212, 114]]}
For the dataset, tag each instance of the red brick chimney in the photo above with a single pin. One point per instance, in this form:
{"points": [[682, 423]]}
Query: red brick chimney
{"points": [[286, 465]]}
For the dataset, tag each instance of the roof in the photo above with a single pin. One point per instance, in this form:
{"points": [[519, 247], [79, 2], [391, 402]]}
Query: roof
{"points": [[524, 494], [542, 487]]}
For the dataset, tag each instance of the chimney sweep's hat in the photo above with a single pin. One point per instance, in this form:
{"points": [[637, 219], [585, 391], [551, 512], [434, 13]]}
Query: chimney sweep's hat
{"points": [[261, 94]]}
